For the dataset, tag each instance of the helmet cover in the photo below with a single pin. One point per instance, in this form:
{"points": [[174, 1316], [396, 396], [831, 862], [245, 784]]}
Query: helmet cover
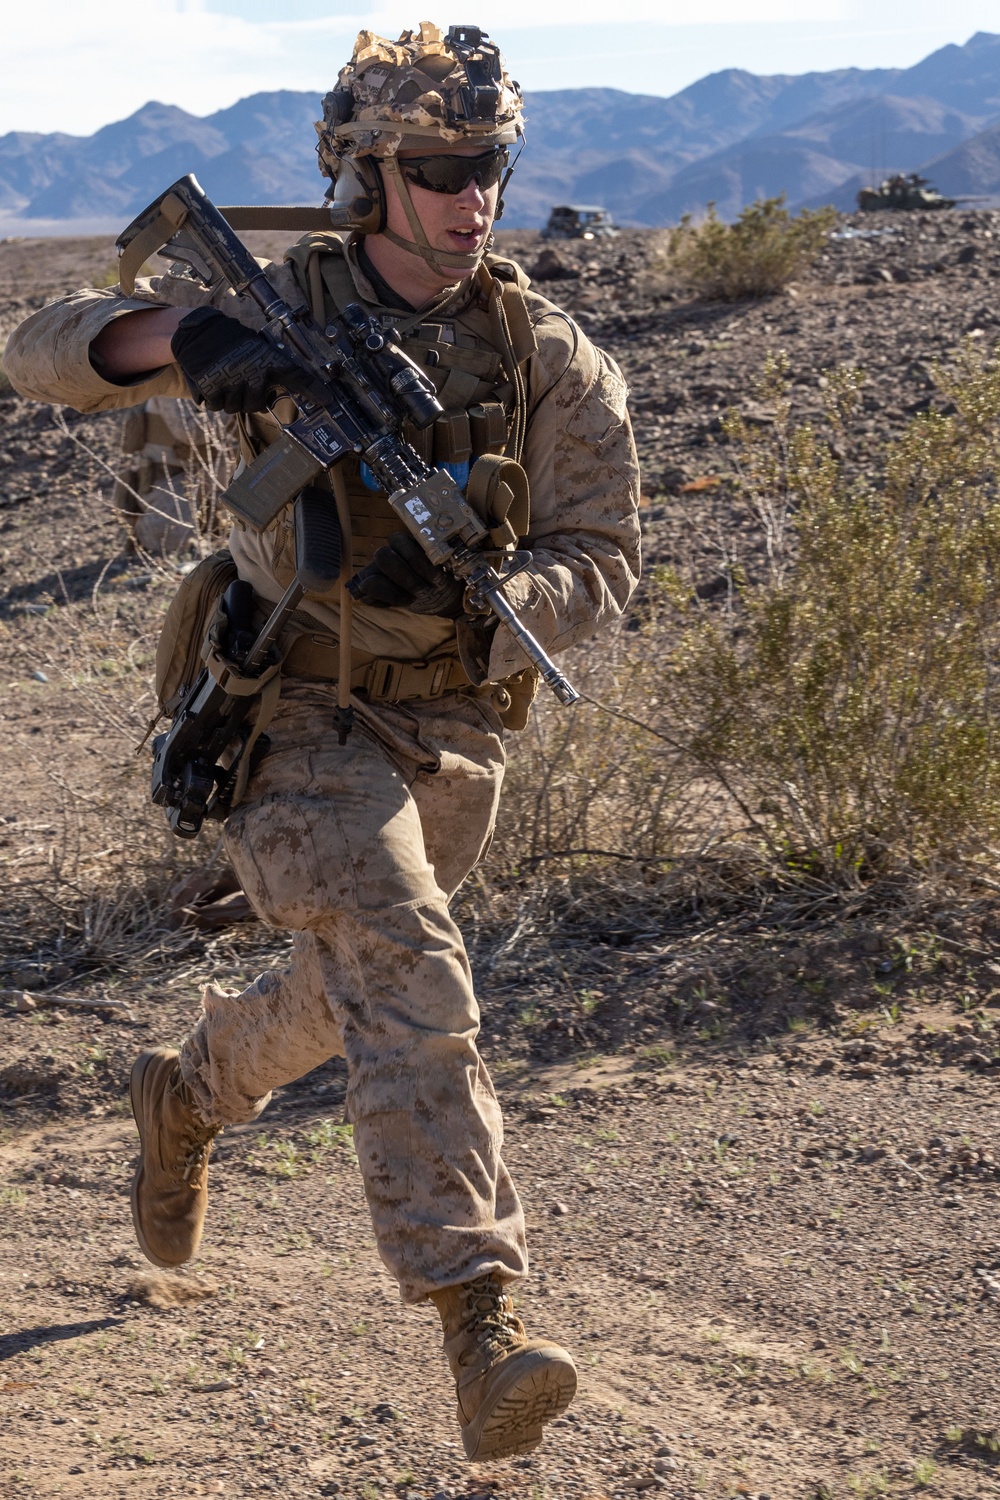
{"points": [[425, 87]]}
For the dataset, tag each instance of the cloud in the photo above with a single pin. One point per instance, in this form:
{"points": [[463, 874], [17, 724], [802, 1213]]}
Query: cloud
{"points": [[67, 67]]}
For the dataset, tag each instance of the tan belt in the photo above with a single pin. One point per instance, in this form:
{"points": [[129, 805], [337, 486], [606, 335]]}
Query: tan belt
{"points": [[381, 678]]}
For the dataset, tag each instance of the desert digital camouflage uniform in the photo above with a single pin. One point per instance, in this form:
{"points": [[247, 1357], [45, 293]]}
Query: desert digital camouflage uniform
{"points": [[358, 849]]}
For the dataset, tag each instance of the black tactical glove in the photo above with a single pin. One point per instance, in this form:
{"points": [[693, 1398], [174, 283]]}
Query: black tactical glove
{"points": [[402, 576], [229, 367]]}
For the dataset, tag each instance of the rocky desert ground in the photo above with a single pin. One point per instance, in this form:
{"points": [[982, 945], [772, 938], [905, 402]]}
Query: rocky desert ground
{"points": [[757, 1147]]}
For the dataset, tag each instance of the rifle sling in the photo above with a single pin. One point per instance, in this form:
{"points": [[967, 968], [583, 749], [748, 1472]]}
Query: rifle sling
{"points": [[293, 220]]}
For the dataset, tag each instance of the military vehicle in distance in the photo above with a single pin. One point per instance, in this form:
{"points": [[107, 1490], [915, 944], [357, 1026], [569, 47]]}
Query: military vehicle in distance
{"points": [[579, 221], [906, 191]]}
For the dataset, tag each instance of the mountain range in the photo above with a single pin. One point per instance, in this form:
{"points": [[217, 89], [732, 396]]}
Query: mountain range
{"points": [[729, 138]]}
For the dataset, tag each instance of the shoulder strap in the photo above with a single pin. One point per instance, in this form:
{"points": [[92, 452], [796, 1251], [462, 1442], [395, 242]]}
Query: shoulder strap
{"points": [[498, 307]]}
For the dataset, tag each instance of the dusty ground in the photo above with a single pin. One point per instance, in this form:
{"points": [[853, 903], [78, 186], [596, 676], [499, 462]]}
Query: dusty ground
{"points": [[758, 1155]]}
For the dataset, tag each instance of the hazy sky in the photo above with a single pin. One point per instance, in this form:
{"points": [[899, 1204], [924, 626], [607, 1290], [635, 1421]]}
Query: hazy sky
{"points": [[74, 65]]}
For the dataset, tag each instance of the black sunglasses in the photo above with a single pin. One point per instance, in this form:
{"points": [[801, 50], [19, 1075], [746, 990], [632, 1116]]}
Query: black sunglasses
{"points": [[452, 174]]}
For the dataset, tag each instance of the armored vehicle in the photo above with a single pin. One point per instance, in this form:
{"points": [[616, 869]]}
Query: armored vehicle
{"points": [[904, 190], [579, 221]]}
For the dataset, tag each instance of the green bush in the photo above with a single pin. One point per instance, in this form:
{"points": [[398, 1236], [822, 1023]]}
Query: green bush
{"points": [[833, 719], [762, 252], [848, 699]]}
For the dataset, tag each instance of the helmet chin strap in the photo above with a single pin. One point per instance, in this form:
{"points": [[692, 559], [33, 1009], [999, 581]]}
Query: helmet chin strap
{"points": [[441, 261]]}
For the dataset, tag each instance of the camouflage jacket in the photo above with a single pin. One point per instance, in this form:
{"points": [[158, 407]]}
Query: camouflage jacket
{"points": [[579, 453]]}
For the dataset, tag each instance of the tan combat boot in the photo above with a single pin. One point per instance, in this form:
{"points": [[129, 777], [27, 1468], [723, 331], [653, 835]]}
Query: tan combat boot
{"points": [[170, 1186], [508, 1385]]}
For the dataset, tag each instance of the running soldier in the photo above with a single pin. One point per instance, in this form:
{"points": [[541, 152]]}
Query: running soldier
{"points": [[358, 847]]}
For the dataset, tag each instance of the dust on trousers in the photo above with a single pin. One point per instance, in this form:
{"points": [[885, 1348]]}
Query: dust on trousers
{"points": [[358, 850]]}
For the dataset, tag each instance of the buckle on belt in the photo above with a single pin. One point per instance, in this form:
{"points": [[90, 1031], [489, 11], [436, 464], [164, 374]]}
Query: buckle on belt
{"points": [[389, 681]]}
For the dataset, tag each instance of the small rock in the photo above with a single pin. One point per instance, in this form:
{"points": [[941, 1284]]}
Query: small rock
{"points": [[23, 1002], [665, 1465], [551, 266], [37, 676], [216, 1385], [560, 1210]]}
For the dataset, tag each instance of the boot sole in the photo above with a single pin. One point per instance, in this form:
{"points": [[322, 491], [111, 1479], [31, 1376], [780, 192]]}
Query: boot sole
{"points": [[135, 1083], [539, 1388]]}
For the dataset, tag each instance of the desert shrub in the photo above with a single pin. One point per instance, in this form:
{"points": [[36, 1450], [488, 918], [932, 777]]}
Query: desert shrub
{"points": [[94, 882], [848, 698], [833, 719], [595, 782], [89, 879], [760, 253]]}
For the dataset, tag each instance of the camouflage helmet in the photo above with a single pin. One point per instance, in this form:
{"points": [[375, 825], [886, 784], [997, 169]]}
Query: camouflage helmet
{"points": [[427, 88]]}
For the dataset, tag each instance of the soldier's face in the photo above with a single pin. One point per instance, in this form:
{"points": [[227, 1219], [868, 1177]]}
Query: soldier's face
{"points": [[459, 221]]}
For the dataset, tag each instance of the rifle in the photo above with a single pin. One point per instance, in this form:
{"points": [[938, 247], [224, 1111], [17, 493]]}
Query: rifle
{"points": [[353, 388]]}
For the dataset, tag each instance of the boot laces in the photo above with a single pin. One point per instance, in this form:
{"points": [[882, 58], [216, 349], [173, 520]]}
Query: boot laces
{"points": [[195, 1142], [490, 1319], [193, 1159]]}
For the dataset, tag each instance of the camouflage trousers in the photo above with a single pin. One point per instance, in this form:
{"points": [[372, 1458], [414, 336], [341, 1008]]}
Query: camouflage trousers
{"points": [[358, 850]]}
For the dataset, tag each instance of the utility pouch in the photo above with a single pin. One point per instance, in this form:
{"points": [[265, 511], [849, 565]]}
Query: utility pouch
{"points": [[192, 609], [498, 493], [514, 696]]}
